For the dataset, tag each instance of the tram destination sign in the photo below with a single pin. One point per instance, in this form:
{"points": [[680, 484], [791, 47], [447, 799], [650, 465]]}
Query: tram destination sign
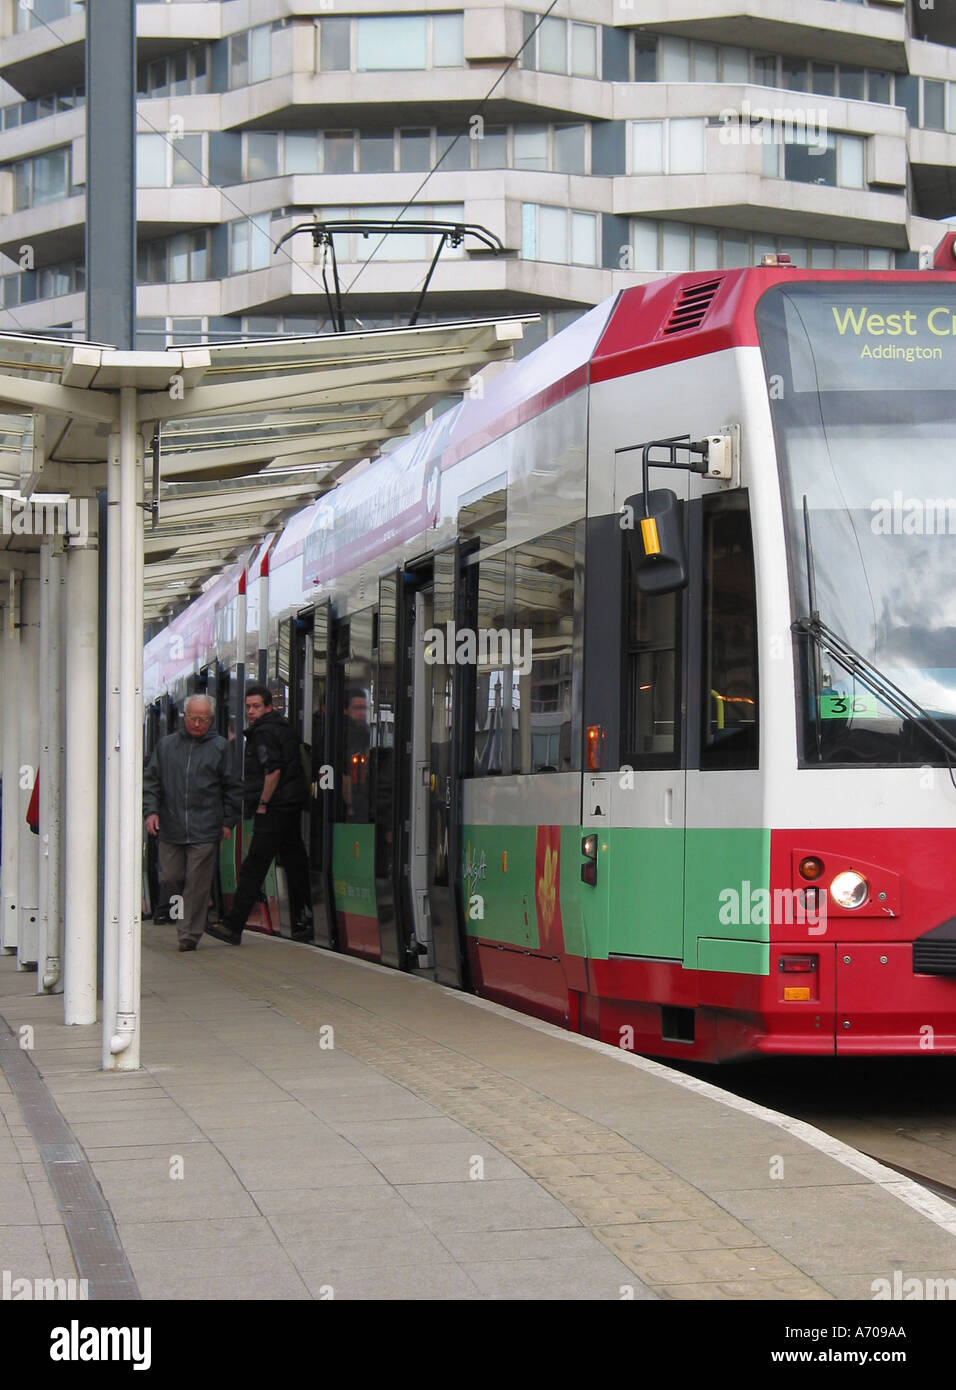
{"points": [[872, 338]]}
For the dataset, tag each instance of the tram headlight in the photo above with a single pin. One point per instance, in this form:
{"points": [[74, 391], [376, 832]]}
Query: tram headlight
{"points": [[849, 889]]}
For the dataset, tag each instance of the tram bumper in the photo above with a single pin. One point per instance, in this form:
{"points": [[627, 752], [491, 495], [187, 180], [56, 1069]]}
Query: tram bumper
{"points": [[882, 1005]]}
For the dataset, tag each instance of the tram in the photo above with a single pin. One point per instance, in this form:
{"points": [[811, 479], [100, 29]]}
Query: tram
{"points": [[630, 684]]}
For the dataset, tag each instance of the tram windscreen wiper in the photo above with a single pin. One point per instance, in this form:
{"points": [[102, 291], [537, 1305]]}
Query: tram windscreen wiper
{"points": [[876, 682]]}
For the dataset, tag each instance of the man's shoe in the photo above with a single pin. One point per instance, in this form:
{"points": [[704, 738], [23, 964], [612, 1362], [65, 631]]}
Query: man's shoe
{"points": [[221, 933], [187, 945]]}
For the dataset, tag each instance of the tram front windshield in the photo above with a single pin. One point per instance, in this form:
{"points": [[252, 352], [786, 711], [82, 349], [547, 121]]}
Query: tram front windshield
{"points": [[862, 384]]}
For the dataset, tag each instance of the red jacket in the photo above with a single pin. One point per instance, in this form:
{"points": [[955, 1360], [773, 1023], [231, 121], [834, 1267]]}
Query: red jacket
{"points": [[33, 810]]}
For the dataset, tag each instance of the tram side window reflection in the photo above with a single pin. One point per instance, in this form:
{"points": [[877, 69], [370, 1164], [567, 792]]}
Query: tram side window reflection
{"points": [[544, 684], [358, 720], [729, 735], [493, 712]]}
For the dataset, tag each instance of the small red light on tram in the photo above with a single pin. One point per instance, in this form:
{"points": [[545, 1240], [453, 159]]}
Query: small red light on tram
{"points": [[811, 867], [594, 747], [798, 965]]}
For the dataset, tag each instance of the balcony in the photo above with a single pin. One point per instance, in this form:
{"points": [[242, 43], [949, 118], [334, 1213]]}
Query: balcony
{"points": [[162, 29], [747, 201], [49, 58], [933, 169], [297, 99], [866, 35], [165, 211], [55, 231]]}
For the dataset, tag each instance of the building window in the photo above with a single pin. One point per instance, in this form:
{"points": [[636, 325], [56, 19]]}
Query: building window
{"points": [[47, 282], [531, 147], [38, 13], [558, 234], [164, 161], [377, 153], [339, 148], [835, 161], [43, 179], [250, 56], [934, 105], [392, 43], [301, 152], [667, 147], [492, 148], [384, 247], [560, 46], [174, 259], [183, 74], [676, 246], [414, 151], [250, 245], [262, 155], [570, 156]]}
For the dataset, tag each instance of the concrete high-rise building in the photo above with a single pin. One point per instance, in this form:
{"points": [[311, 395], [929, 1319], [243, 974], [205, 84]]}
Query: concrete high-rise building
{"points": [[629, 139]]}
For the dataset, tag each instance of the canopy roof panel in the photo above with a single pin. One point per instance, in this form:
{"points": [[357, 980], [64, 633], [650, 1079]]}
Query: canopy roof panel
{"points": [[249, 432]]}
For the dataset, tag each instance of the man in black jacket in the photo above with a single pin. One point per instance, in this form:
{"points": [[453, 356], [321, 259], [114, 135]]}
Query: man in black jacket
{"points": [[191, 801], [274, 794]]}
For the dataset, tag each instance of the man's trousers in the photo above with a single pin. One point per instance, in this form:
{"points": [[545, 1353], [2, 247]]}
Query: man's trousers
{"points": [[273, 833], [186, 871]]}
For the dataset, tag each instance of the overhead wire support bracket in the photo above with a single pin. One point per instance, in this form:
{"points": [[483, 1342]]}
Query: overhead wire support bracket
{"points": [[449, 234]]}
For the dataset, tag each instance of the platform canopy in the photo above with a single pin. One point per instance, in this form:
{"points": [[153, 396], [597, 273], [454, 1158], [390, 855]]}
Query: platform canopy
{"points": [[249, 432]]}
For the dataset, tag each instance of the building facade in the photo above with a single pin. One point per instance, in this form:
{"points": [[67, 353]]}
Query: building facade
{"points": [[629, 139]]}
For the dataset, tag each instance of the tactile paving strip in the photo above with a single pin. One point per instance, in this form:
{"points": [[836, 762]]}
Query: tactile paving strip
{"points": [[674, 1237], [87, 1219]]}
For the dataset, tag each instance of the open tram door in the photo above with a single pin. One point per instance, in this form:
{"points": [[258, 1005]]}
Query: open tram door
{"points": [[432, 600], [308, 714]]}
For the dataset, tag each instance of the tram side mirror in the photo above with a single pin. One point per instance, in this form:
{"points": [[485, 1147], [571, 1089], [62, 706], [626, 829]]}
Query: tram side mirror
{"points": [[655, 540]]}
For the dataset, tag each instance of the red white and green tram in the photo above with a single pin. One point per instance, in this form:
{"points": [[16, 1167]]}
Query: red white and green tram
{"points": [[673, 771]]}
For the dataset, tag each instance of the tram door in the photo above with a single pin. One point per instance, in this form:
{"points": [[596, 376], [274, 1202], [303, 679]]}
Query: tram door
{"points": [[387, 776], [419, 610], [652, 797], [435, 817], [316, 734]]}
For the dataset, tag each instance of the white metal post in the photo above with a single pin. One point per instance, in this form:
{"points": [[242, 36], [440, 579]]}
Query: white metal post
{"points": [[9, 713], [51, 766], [52, 979], [125, 1041], [81, 619], [28, 746], [111, 825]]}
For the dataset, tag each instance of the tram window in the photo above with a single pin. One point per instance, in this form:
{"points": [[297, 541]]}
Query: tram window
{"points": [[359, 721], [650, 724], [484, 518], [729, 634], [544, 669], [493, 698]]}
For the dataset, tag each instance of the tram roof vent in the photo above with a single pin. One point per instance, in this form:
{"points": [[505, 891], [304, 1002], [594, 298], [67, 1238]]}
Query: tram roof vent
{"points": [[691, 307]]}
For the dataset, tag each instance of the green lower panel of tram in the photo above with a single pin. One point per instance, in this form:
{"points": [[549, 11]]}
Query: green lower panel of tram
{"points": [[690, 896], [661, 893], [353, 869]]}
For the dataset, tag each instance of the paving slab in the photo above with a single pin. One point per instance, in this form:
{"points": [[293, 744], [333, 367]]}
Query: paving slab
{"points": [[440, 1148]]}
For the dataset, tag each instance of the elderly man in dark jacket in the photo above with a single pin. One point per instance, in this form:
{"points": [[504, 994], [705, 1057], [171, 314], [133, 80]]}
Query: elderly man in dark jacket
{"points": [[275, 792], [191, 800]]}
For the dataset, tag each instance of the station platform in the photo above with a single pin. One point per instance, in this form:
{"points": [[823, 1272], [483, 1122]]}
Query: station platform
{"points": [[310, 1126]]}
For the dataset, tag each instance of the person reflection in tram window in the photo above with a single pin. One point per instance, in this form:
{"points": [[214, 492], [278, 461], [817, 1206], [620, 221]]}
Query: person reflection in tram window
{"points": [[273, 795], [355, 783]]}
